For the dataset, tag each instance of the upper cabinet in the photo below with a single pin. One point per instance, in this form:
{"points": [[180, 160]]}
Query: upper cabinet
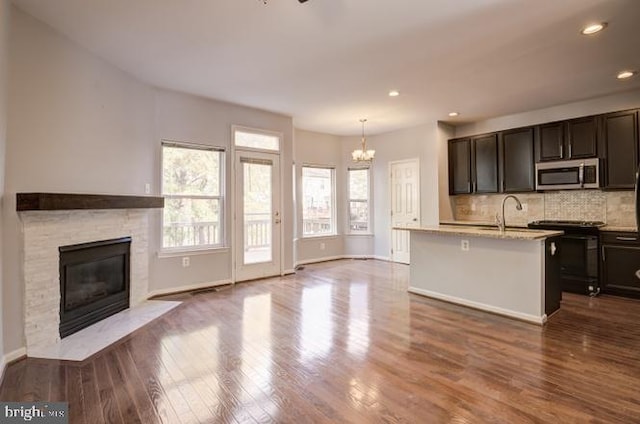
{"points": [[619, 135], [504, 162], [473, 165], [574, 139], [551, 141], [582, 138], [460, 166], [484, 164], [517, 160]]}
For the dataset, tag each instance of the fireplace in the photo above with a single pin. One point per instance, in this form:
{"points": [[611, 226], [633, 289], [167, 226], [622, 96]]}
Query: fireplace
{"points": [[94, 282]]}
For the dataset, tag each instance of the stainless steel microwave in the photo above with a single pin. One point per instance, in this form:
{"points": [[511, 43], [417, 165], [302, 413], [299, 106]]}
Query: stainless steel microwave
{"points": [[568, 174]]}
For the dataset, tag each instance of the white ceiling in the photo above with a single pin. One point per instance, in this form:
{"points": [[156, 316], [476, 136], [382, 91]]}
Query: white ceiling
{"points": [[327, 63]]}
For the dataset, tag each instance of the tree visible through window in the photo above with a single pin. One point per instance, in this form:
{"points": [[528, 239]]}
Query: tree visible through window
{"points": [[318, 217], [359, 200], [192, 187]]}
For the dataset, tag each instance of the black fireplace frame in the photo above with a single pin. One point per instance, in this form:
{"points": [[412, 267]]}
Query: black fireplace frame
{"points": [[86, 315]]}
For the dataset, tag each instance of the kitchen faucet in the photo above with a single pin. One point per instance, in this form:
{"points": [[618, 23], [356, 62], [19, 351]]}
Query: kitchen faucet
{"points": [[500, 218]]}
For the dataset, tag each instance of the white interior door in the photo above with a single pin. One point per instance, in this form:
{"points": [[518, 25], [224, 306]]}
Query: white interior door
{"points": [[257, 217], [405, 206]]}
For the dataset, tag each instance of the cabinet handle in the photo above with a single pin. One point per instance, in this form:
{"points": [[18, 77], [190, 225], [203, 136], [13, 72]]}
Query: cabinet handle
{"points": [[603, 257], [570, 156], [626, 238], [554, 248], [561, 150]]}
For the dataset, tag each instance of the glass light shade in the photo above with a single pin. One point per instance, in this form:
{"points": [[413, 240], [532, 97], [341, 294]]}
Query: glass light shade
{"points": [[363, 155]]}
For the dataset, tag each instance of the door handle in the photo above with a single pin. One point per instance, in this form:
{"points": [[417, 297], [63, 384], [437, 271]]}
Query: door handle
{"points": [[277, 221], [415, 219]]}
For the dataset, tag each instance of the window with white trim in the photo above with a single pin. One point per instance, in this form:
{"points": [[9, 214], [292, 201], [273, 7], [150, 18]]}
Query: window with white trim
{"points": [[193, 188], [358, 200], [318, 201], [256, 139]]}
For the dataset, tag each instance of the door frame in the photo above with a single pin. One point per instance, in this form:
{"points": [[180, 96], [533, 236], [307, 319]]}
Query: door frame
{"points": [[233, 200], [390, 197]]}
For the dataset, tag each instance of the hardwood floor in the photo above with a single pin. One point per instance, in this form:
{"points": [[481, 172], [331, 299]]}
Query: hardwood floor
{"points": [[343, 341]]}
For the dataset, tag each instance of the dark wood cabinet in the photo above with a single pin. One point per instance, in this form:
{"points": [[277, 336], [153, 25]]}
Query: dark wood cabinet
{"points": [[517, 161], [460, 166], [582, 138], [551, 141], [473, 165], [619, 135], [573, 139], [620, 267], [485, 163]]}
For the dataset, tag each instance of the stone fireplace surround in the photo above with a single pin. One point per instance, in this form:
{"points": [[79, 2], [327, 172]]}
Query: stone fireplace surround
{"points": [[43, 231]]}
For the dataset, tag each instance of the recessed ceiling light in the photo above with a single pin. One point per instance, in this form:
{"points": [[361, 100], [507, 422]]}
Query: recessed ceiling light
{"points": [[593, 28], [394, 93], [626, 74], [453, 114]]}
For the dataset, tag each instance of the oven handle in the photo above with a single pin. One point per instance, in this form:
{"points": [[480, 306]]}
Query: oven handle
{"points": [[626, 238], [574, 237]]}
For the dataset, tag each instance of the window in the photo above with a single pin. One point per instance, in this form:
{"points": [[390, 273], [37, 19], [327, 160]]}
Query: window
{"points": [[359, 216], [256, 139], [192, 184], [318, 212]]}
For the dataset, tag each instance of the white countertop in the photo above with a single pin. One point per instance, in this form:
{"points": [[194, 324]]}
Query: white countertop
{"points": [[488, 232]]}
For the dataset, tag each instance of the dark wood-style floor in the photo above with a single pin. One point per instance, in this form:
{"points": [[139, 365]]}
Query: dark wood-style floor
{"points": [[344, 342]]}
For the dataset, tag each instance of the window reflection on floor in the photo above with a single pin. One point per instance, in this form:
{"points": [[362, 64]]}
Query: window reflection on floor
{"points": [[358, 341], [316, 329]]}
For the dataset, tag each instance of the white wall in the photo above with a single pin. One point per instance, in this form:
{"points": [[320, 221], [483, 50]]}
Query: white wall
{"points": [[78, 124], [320, 149], [4, 56], [423, 142], [183, 117], [616, 102]]}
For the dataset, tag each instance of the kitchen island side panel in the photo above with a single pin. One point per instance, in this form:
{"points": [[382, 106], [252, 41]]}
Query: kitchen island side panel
{"points": [[497, 275]]}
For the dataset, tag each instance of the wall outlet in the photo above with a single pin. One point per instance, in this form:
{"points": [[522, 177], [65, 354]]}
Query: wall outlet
{"points": [[525, 207], [464, 245], [186, 261], [147, 188], [322, 246]]}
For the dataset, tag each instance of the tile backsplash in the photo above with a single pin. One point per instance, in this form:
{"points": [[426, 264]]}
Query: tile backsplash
{"points": [[613, 207]]}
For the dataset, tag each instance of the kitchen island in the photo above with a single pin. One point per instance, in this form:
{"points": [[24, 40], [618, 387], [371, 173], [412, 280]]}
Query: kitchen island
{"points": [[513, 273]]}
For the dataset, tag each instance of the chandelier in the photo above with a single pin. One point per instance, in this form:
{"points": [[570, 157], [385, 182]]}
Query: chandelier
{"points": [[362, 154]]}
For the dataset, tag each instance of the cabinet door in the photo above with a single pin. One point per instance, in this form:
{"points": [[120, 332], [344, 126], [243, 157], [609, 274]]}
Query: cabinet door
{"points": [[621, 270], [620, 140], [551, 141], [485, 163], [552, 276], [459, 166], [517, 161], [582, 135]]}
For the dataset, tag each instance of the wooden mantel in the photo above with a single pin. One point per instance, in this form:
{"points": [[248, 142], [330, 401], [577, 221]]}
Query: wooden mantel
{"points": [[69, 201]]}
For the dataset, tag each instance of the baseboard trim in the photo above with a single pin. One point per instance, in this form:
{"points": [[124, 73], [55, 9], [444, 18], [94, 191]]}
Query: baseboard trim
{"points": [[539, 320], [11, 357], [382, 258], [183, 289], [318, 260], [288, 271]]}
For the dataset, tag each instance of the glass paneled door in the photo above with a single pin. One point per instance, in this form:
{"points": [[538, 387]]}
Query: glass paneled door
{"points": [[257, 215]]}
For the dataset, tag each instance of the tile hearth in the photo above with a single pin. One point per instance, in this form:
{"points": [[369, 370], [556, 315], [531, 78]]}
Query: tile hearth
{"points": [[81, 345]]}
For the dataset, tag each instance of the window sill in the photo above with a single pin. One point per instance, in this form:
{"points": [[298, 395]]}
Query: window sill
{"points": [[359, 234], [191, 252], [320, 236]]}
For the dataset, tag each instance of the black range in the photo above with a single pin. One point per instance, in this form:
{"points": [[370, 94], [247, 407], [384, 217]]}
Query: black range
{"points": [[578, 253]]}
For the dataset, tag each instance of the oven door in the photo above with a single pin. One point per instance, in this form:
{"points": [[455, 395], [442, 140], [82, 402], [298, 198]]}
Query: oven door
{"points": [[579, 262]]}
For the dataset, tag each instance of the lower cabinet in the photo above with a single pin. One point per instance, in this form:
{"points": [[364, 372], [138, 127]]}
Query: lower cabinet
{"points": [[552, 278], [620, 270]]}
